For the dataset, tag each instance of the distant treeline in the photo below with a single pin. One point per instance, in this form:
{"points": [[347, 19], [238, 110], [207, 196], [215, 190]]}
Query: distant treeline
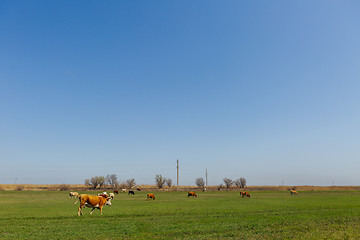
{"points": [[79, 187]]}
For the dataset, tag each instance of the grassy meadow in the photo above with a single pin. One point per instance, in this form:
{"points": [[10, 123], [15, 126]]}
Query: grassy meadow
{"points": [[213, 215]]}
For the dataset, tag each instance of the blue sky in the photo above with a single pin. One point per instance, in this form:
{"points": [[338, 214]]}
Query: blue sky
{"points": [[266, 90]]}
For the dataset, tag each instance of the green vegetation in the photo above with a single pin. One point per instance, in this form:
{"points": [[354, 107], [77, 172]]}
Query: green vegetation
{"points": [[212, 215]]}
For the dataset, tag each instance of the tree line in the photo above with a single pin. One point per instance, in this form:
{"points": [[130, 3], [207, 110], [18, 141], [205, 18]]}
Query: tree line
{"points": [[241, 183], [111, 181]]}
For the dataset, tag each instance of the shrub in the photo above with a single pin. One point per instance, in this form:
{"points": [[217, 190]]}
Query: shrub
{"points": [[169, 182], [200, 183], [64, 187]]}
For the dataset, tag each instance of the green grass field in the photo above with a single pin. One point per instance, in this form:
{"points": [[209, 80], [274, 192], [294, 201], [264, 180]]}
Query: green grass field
{"points": [[213, 215]]}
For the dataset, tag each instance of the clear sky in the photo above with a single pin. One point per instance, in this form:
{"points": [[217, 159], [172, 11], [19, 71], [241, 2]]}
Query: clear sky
{"points": [[266, 90]]}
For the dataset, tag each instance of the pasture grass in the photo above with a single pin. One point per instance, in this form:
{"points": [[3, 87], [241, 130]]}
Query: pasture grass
{"points": [[173, 215]]}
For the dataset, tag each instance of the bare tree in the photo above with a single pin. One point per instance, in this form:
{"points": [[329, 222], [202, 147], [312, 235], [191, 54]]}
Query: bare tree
{"points": [[87, 182], [200, 183], [169, 182], [130, 182], [112, 181], [228, 182], [159, 180], [101, 181], [241, 182], [94, 181], [97, 181]]}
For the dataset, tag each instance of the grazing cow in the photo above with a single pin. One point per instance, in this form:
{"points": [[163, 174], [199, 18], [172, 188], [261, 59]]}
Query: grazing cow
{"points": [[103, 195], [111, 195], [192, 194], [150, 195], [93, 202], [116, 191], [123, 190], [293, 192], [73, 194], [138, 189], [131, 192], [244, 194]]}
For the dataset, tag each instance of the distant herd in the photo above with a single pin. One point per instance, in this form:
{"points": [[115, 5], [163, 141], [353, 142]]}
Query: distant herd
{"points": [[104, 198]]}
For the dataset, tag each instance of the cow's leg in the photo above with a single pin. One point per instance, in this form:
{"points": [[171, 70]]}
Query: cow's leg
{"points": [[77, 199], [100, 210], [92, 210], [80, 211]]}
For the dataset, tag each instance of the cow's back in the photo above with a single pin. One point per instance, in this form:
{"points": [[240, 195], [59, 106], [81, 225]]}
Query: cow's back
{"points": [[96, 200], [151, 195], [192, 194]]}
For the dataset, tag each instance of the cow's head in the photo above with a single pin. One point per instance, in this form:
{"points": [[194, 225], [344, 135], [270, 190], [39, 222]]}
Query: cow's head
{"points": [[108, 201]]}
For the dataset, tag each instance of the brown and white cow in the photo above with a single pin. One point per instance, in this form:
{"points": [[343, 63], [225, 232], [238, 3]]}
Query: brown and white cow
{"points": [[192, 194], [93, 202], [293, 192], [150, 195], [244, 194], [73, 194]]}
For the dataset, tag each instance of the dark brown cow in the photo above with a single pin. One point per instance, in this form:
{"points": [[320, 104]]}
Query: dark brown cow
{"points": [[138, 189], [116, 191], [192, 194], [150, 195], [92, 202], [131, 192]]}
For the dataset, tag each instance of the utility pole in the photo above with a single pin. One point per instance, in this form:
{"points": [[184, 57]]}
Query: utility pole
{"points": [[206, 179], [177, 176]]}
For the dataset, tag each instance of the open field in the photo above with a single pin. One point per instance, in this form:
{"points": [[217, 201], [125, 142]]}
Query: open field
{"points": [[213, 215]]}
